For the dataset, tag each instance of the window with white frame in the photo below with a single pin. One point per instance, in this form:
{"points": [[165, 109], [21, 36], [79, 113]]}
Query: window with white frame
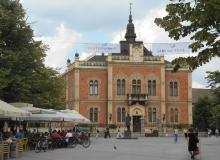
{"points": [[120, 114], [174, 115], [121, 87], [93, 87], [152, 114], [93, 114], [136, 86], [152, 87], [174, 88]]}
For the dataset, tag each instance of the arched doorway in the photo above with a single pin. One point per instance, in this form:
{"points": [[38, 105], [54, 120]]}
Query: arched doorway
{"points": [[137, 112]]}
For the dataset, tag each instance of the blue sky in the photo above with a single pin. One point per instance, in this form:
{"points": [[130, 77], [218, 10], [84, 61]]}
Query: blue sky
{"points": [[66, 24]]}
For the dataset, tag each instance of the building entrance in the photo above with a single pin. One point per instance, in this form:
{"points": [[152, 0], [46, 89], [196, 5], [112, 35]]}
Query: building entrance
{"points": [[136, 123]]}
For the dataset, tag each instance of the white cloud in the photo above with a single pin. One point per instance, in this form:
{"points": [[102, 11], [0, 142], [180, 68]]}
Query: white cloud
{"points": [[146, 30], [151, 33], [60, 45], [85, 55]]}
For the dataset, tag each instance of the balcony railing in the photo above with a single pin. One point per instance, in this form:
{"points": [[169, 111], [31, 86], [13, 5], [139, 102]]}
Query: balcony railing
{"points": [[137, 98], [121, 58], [91, 63]]}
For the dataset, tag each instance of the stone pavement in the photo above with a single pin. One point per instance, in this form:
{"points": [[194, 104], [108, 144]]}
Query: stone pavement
{"points": [[161, 148]]}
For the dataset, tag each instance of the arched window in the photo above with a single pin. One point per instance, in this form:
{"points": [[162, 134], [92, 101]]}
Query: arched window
{"points": [[174, 115], [120, 87], [171, 115], [93, 87], [173, 88], [152, 115], [93, 114], [136, 86], [123, 87], [152, 87], [121, 114]]}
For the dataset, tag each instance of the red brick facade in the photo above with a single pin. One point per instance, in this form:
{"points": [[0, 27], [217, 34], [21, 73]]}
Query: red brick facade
{"points": [[97, 84]]}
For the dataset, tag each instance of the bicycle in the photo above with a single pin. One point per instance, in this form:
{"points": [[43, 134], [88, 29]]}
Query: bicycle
{"points": [[42, 144], [82, 139]]}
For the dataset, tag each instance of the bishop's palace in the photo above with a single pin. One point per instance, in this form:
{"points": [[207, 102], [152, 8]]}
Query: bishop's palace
{"points": [[105, 88]]}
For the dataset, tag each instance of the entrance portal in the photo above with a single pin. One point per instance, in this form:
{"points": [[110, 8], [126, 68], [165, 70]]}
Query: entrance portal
{"points": [[136, 123]]}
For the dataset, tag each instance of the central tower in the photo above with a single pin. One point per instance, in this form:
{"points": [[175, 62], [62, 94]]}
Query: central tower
{"points": [[130, 33]]}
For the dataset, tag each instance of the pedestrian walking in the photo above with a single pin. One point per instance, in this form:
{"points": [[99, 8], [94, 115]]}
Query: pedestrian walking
{"points": [[192, 144], [185, 133], [97, 132], [107, 132], [216, 132], [209, 132], [119, 134], [175, 134]]}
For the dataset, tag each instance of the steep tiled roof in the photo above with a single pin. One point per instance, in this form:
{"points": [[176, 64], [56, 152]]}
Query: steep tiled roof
{"points": [[98, 58]]}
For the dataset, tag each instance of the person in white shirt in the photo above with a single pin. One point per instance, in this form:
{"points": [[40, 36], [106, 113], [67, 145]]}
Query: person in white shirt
{"points": [[175, 135], [97, 132], [119, 135], [69, 134]]}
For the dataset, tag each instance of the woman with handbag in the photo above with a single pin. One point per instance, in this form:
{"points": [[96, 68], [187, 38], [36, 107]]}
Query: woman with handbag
{"points": [[192, 143]]}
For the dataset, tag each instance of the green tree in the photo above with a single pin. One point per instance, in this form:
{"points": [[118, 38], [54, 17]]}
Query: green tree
{"points": [[23, 75], [214, 82], [199, 19], [201, 113]]}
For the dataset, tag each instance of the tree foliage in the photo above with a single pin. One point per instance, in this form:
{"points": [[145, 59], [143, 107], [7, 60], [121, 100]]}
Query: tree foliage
{"points": [[206, 112], [214, 82], [199, 19], [201, 113], [23, 75]]}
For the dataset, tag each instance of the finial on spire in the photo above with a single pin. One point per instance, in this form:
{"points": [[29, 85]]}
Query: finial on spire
{"points": [[130, 7], [130, 16]]}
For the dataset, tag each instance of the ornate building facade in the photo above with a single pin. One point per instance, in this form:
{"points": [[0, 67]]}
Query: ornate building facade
{"points": [[105, 88]]}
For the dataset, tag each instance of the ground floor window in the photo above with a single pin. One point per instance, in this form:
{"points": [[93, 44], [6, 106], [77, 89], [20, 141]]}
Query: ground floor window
{"points": [[174, 115], [121, 114], [152, 114], [93, 114]]}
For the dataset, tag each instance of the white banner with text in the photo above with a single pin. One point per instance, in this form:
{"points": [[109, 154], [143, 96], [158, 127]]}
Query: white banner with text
{"points": [[102, 48], [171, 48]]}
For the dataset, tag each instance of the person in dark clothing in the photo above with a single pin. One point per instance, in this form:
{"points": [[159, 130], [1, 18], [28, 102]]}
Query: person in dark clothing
{"points": [[192, 143], [107, 132]]}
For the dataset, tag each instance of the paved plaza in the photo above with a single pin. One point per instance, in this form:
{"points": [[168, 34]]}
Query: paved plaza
{"points": [[162, 148]]}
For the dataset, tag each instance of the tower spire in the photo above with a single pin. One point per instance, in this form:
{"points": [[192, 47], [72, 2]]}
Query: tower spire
{"points": [[130, 34], [130, 16]]}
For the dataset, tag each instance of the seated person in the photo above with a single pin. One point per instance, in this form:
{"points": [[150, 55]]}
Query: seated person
{"points": [[55, 135], [19, 134], [8, 138], [68, 135], [63, 134]]}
